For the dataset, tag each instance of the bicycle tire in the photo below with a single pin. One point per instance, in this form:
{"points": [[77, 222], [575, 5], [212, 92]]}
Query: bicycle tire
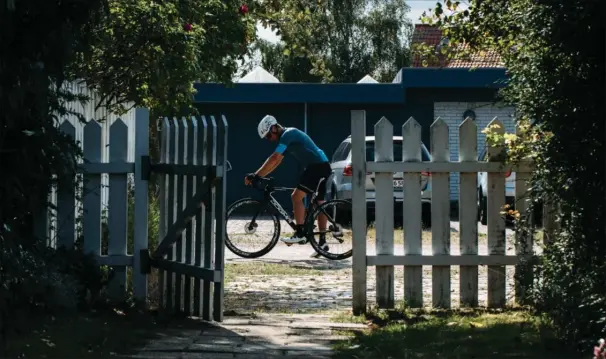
{"points": [[272, 243], [309, 225]]}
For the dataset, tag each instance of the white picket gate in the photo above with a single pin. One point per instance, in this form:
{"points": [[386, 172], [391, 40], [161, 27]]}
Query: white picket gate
{"points": [[192, 168], [441, 258]]}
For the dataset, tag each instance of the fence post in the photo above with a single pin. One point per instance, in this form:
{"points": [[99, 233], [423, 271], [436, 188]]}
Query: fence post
{"points": [[179, 250], [209, 219], [358, 159], [118, 206], [141, 203], [201, 142], [524, 239], [66, 202], [468, 213], [164, 207], [440, 214], [384, 213], [496, 222], [189, 232], [220, 218], [412, 231], [92, 190]]}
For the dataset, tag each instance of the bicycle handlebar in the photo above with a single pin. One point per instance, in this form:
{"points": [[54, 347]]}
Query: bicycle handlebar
{"points": [[257, 182]]}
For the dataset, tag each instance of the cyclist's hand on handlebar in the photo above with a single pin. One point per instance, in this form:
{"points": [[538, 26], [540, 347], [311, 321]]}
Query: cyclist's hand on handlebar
{"points": [[250, 178]]}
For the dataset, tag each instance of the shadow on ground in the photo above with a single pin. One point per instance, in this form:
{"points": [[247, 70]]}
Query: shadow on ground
{"points": [[252, 337], [113, 334]]}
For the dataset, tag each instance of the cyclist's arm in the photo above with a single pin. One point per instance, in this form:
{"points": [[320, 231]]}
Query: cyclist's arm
{"points": [[276, 158], [270, 164]]}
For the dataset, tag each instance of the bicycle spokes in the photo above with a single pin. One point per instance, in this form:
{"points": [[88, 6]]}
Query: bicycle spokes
{"points": [[336, 234]]}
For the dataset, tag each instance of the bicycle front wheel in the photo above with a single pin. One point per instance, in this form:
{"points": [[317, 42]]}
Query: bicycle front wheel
{"points": [[252, 228], [329, 229]]}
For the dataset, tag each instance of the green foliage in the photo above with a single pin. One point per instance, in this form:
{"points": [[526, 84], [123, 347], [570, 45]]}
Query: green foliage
{"points": [[151, 52], [554, 54], [37, 40], [349, 41]]}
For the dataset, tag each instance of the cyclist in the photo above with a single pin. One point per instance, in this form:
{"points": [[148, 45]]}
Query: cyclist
{"points": [[316, 171]]}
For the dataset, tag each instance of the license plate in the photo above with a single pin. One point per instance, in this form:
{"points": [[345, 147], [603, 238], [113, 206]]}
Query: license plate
{"points": [[398, 183]]}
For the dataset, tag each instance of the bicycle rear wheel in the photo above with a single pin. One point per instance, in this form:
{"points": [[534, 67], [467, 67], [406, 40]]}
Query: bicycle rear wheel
{"points": [[335, 241], [252, 228]]}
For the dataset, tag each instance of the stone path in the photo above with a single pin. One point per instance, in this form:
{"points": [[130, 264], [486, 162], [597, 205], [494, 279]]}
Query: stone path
{"points": [[252, 337]]}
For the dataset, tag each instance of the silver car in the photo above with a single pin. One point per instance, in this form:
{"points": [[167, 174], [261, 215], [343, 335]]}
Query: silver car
{"points": [[340, 186], [510, 189]]}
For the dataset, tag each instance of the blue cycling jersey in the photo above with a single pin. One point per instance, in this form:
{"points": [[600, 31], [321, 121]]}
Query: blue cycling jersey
{"points": [[301, 147]]}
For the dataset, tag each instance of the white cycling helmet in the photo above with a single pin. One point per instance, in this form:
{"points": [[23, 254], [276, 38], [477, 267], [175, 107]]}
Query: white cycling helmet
{"points": [[265, 125]]}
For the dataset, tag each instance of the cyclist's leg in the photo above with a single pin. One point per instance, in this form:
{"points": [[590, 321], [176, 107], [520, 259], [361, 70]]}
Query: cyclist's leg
{"points": [[321, 175], [297, 197], [299, 209]]}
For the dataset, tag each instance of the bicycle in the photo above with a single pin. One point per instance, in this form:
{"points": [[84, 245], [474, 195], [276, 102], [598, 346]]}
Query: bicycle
{"points": [[335, 229]]}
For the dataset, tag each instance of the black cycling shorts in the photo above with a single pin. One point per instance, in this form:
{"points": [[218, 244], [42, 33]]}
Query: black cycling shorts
{"points": [[311, 177]]}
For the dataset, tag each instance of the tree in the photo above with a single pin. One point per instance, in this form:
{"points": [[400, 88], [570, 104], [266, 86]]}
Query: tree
{"points": [[140, 53], [352, 38], [554, 55]]}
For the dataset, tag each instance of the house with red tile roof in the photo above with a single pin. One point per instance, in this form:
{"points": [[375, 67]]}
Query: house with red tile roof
{"points": [[458, 102], [432, 36]]}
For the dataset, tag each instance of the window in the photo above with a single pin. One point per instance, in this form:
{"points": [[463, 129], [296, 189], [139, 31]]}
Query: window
{"points": [[341, 152], [483, 155], [397, 152]]}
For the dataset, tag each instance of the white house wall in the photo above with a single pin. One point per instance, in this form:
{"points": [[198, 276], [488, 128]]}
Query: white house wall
{"points": [[452, 114]]}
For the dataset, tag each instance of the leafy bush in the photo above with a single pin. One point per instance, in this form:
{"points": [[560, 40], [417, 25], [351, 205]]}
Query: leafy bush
{"points": [[554, 55]]}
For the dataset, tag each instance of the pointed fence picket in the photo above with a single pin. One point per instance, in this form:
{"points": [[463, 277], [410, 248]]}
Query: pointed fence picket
{"points": [[468, 221], [441, 258]]}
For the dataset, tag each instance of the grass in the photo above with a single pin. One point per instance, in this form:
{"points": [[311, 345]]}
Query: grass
{"points": [[102, 334], [477, 334], [258, 268]]}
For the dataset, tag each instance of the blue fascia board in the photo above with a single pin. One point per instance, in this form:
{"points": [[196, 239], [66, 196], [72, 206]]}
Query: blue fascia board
{"points": [[351, 93], [419, 77], [298, 93]]}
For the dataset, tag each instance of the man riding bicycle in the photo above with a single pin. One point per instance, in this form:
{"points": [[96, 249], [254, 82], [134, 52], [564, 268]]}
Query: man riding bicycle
{"points": [[316, 170]]}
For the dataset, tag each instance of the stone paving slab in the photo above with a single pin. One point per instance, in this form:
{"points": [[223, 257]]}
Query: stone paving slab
{"points": [[252, 337]]}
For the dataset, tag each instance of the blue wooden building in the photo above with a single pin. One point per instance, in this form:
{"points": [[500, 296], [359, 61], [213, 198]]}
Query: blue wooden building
{"points": [[323, 111]]}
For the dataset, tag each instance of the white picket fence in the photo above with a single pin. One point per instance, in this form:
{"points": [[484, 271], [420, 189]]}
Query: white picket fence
{"points": [[441, 258], [107, 169]]}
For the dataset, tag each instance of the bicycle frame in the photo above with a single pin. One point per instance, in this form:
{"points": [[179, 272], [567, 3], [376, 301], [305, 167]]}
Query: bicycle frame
{"points": [[269, 199]]}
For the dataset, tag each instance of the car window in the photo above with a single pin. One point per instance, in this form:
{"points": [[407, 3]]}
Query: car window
{"points": [[397, 152], [338, 155], [346, 151]]}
